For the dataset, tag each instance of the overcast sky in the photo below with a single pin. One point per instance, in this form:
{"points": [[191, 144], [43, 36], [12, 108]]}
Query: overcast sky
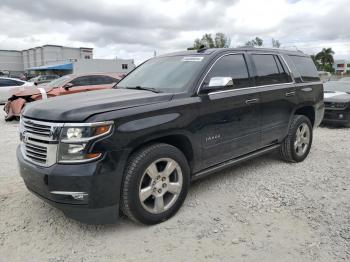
{"points": [[135, 28]]}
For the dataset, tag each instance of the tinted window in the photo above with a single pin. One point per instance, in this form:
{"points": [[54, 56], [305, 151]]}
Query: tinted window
{"points": [[269, 70], [81, 81], [102, 80], [233, 66], [306, 68], [9, 82]]}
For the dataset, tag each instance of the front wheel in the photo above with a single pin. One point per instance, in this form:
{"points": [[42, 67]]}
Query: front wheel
{"points": [[296, 146], [155, 184]]}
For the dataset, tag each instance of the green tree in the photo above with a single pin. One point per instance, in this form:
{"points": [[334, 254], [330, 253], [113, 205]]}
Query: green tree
{"points": [[220, 41], [325, 58], [276, 43], [317, 64], [257, 41]]}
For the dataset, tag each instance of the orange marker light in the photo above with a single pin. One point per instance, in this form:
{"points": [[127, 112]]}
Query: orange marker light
{"points": [[101, 130]]}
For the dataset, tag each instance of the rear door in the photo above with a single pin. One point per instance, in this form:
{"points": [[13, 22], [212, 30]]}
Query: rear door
{"points": [[231, 117], [278, 97]]}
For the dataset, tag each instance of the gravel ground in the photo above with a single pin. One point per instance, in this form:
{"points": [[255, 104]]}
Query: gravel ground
{"points": [[262, 210]]}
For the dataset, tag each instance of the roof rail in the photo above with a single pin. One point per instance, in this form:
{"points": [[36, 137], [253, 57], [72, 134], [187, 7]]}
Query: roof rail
{"points": [[202, 48]]}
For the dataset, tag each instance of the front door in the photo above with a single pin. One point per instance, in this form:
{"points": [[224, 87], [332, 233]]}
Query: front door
{"points": [[230, 117]]}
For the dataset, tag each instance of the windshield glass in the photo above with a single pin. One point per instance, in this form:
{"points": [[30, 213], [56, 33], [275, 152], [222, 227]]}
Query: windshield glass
{"points": [[59, 81], [333, 86], [165, 74]]}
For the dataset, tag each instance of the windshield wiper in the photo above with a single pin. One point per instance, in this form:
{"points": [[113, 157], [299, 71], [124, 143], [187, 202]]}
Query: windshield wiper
{"points": [[154, 90]]}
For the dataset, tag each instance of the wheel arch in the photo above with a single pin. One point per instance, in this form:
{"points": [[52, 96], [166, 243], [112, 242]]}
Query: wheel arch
{"points": [[180, 141], [308, 111]]}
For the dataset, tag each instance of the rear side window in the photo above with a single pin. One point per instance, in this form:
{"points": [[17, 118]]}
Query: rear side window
{"points": [[269, 70], [233, 66], [306, 68]]}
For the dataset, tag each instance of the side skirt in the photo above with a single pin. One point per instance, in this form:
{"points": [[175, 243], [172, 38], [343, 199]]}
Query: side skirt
{"points": [[233, 162]]}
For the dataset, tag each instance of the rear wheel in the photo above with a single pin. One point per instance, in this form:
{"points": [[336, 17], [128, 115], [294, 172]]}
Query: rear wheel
{"points": [[155, 184], [296, 146]]}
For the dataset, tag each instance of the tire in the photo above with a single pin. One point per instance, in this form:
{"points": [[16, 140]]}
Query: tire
{"points": [[296, 146], [146, 181]]}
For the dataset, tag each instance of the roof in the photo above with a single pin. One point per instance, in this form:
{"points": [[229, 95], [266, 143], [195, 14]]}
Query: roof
{"points": [[67, 66], [212, 51]]}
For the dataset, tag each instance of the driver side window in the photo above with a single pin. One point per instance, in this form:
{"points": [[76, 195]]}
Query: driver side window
{"points": [[233, 66], [81, 81]]}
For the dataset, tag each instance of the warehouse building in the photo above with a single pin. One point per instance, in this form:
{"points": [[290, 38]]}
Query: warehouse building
{"points": [[60, 60]]}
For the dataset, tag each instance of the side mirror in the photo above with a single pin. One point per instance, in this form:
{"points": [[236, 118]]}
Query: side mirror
{"points": [[218, 83], [68, 85]]}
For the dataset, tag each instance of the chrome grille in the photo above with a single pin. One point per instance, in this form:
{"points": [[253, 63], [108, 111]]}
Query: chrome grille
{"points": [[35, 152], [39, 141], [38, 129]]}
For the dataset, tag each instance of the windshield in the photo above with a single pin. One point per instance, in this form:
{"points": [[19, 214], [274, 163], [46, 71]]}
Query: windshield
{"points": [[334, 86], [59, 81], [165, 74]]}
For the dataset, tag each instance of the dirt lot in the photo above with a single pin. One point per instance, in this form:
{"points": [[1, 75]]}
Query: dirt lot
{"points": [[262, 210]]}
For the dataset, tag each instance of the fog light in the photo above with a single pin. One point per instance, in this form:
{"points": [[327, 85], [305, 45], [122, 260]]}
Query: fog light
{"points": [[340, 116], [75, 195]]}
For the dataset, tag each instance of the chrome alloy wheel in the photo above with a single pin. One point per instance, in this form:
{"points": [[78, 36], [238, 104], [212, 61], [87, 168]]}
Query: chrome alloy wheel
{"points": [[302, 139], [160, 185]]}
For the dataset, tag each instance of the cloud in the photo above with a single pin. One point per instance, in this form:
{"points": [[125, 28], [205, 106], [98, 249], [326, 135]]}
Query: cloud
{"points": [[134, 29]]}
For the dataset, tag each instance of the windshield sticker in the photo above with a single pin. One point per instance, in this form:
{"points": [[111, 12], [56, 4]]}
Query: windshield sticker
{"points": [[192, 59]]}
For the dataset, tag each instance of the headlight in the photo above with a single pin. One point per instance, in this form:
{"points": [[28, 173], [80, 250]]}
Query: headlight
{"points": [[76, 139]]}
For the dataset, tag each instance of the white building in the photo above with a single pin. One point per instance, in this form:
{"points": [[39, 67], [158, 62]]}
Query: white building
{"points": [[342, 66], [61, 60]]}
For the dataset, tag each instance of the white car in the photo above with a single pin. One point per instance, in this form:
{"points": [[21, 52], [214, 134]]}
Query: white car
{"points": [[10, 85]]}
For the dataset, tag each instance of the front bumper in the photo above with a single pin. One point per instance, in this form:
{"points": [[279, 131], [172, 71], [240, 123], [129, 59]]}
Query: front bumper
{"points": [[100, 180], [336, 117]]}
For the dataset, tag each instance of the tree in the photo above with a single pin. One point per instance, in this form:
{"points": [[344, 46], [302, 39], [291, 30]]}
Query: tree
{"points": [[220, 41], [276, 43], [255, 42], [317, 64], [325, 58]]}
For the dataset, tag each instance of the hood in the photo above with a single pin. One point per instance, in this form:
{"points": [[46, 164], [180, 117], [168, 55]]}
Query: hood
{"points": [[78, 107], [30, 90], [340, 97]]}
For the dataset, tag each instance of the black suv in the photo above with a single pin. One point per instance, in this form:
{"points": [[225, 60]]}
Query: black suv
{"points": [[174, 119]]}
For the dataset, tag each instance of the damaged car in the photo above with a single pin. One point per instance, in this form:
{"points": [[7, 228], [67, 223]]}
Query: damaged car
{"points": [[65, 85]]}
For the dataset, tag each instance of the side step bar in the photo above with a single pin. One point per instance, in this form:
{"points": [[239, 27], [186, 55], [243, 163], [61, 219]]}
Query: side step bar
{"points": [[233, 162]]}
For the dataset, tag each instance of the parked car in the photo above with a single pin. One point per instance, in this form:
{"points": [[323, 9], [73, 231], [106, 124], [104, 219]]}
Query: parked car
{"points": [[174, 119], [69, 84], [337, 103], [345, 79], [43, 79], [9, 85]]}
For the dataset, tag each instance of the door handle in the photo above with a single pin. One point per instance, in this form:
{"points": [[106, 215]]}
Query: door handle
{"points": [[290, 93], [252, 101]]}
